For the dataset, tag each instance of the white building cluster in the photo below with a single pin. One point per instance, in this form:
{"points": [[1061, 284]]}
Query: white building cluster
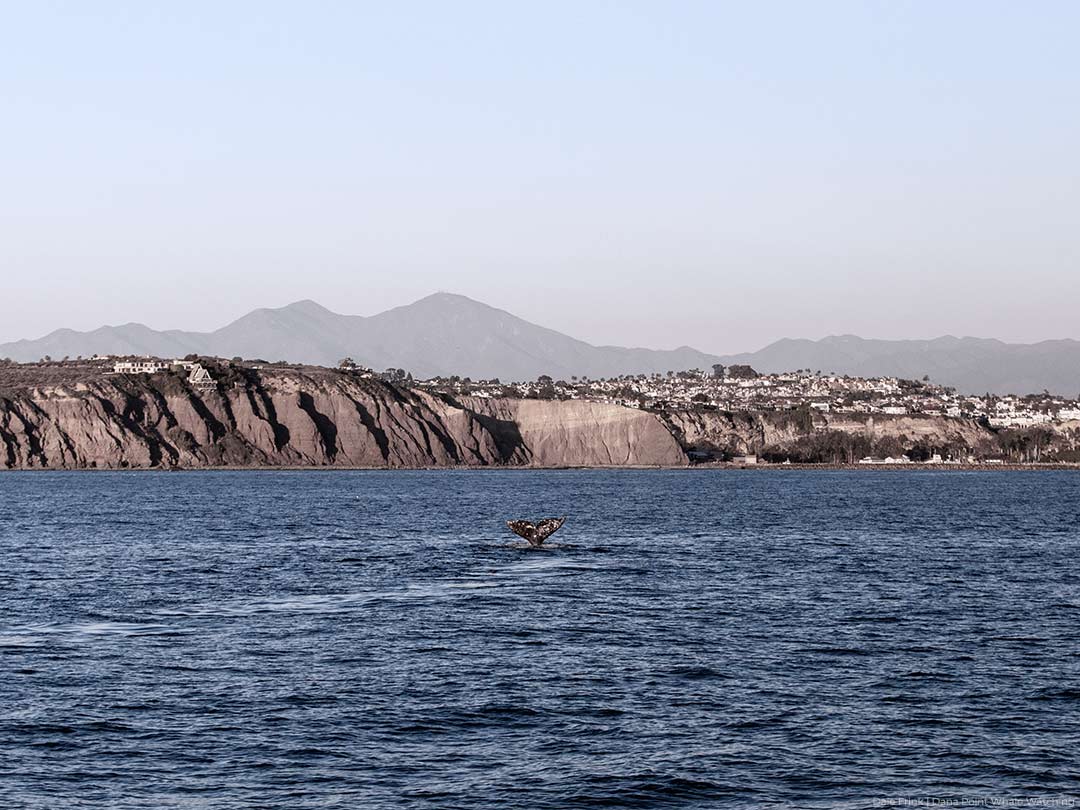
{"points": [[197, 374], [747, 391]]}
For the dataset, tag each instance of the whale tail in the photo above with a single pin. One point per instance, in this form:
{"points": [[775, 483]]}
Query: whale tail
{"points": [[535, 533]]}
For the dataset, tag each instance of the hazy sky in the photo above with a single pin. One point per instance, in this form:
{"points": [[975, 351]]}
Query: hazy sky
{"points": [[665, 173]]}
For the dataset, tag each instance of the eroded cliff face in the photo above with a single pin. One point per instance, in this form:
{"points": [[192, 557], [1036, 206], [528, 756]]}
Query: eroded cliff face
{"points": [[750, 432], [580, 433], [313, 417], [299, 418]]}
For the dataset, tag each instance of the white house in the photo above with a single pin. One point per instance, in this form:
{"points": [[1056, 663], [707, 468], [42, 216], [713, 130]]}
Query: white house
{"points": [[200, 377], [148, 366]]}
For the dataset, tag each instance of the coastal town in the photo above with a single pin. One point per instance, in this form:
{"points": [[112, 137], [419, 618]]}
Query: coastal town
{"points": [[740, 388], [726, 415], [721, 388]]}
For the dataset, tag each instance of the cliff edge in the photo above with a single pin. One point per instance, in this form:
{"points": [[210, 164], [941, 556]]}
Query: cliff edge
{"points": [[310, 417], [72, 416]]}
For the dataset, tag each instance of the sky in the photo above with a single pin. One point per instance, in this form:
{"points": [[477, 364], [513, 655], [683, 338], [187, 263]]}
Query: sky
{"points": [[652, 174]]}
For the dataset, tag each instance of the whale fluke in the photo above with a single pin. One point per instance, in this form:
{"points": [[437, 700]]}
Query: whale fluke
{"points": [[535, 533]]}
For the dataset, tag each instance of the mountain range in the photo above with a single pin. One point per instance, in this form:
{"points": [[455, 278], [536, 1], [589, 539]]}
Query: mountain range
{"points": [[445, 334]]}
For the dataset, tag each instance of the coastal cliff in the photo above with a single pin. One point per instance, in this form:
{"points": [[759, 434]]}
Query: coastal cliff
{"points": [[65, 416], [310, 417], [787, 432]]}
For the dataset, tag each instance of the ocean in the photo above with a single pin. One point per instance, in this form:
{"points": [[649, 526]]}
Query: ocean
{"points": [[691, 638]]}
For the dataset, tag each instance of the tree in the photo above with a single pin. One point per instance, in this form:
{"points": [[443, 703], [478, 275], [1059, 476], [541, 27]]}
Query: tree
{"points": [[742, 373], [545, 387], [718, 369]]}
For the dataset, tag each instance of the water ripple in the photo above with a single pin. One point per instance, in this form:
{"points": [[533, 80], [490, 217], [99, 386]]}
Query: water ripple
{"points": [[697, 639]]}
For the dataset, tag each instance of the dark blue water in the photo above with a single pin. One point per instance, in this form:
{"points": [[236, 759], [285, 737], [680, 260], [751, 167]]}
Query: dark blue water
{"points": [[695, 638]]}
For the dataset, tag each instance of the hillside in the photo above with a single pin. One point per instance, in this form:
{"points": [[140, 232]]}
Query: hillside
{"points": [[441, 334], [972, 365], [444, 334]]}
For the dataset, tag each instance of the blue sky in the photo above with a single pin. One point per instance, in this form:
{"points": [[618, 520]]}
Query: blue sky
{"points": [[713, 174]]}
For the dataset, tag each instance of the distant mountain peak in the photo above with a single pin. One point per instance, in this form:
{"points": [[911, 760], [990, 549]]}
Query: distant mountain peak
{"points": [[304, 303], [448, 333], [446, 295], [449, 299], [307, 306]]}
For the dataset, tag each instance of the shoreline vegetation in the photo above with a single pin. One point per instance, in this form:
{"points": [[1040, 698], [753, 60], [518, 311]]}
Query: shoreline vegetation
{"points": [[209, 413]]}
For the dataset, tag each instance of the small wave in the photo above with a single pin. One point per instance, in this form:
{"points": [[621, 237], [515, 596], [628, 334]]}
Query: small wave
{"points": [[542, 565], [929, 676], [311, 603], [18, 641], [310, 700], [32, 635], [495, 715], [421, 728], [65, 729], [43, 728], [546, 547], [605, 711], [331, 603], [1028, 775], [1068, 693], [695, 673], [760, 722], [507, 710], [839, 651], [651, 790], [471, 585], [116, 628], [872, 620]]}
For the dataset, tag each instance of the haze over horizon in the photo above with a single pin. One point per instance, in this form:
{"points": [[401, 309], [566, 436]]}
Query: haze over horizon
{"points": [[642, 175], [673, 344], [445, 335]]}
